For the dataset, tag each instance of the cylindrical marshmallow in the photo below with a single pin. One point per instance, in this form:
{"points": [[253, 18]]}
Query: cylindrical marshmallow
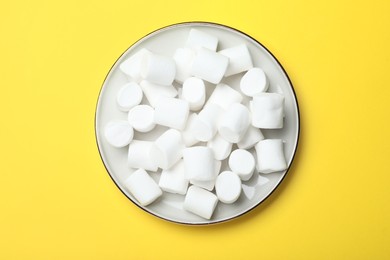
{"points": [[188, 134], [171, 112], [252, 136], [217, 167], [158, 69], [199, 163], [141, 118], [206, 123], [143, 187], [118, 133], [197, 39], [242, 163], [270, 156], [129, 96], [153, 92], [139, 155], [167, 149], [221, 148], [267, 110], [184, 57], [200, 202], [194, 92], [228, 187], [132, 66], [209, 65], [239, 59], [173, 180], [224, 96], [254, 82], [234, 123], [208, 185]]}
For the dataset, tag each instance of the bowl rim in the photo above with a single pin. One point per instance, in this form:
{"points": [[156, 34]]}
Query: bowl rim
{"points": [[218, 25]]}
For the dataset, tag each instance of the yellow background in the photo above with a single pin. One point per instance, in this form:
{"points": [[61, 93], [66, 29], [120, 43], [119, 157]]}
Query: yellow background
{"points": [[58, 202]]}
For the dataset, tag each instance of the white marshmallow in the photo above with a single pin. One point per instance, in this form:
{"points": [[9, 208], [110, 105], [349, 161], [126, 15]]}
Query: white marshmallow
{"points": [[197, 39], [167, 149], [139, 155], [209, 65], [154, 92], [234, 123], [141, 118], [143, 187], [173, 180], [270, 156], [129, 96], [171, 112], [188, 134], [254, 82], [239, 59], [200, 202], [224, 96], [221, 148], [228, 187], [199, 163], [132, 66], [194, 92], [118, 133], [267, 110], [208, 185], [205, 125], [158, 69], [184, 57], [242, 163], [252, 136], [217, 166]]}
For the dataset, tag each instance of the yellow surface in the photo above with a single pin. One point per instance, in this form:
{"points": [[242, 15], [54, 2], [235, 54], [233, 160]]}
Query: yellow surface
{"points": [[58, 202]]}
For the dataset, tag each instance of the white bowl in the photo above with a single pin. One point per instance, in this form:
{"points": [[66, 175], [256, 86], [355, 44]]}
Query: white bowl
{"points": [[165, 41]]}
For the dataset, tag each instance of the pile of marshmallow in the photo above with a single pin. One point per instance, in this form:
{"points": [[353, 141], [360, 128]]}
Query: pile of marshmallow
{"points": [[201, 133]]}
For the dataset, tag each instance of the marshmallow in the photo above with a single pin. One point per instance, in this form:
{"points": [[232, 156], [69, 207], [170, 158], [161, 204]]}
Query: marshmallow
{"points": [[228, 187], [154, 92], [188, 134], [194, 93], [224, 96], [270, 156], [200, 202], [132, 66], [234, 123], [220, 147], [129, 96], [171, 112], [167, 149], [209, 65], [141, 118], [242, 163], [239, 59], [197, 39], [217, 167], [118, 133], [208, 185], [199, 163], [252, 136], [158, 69], [205, 125], [267, 110], [139, 155], [173, 180], [184, 58], [254, 82], [143, 187]]}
